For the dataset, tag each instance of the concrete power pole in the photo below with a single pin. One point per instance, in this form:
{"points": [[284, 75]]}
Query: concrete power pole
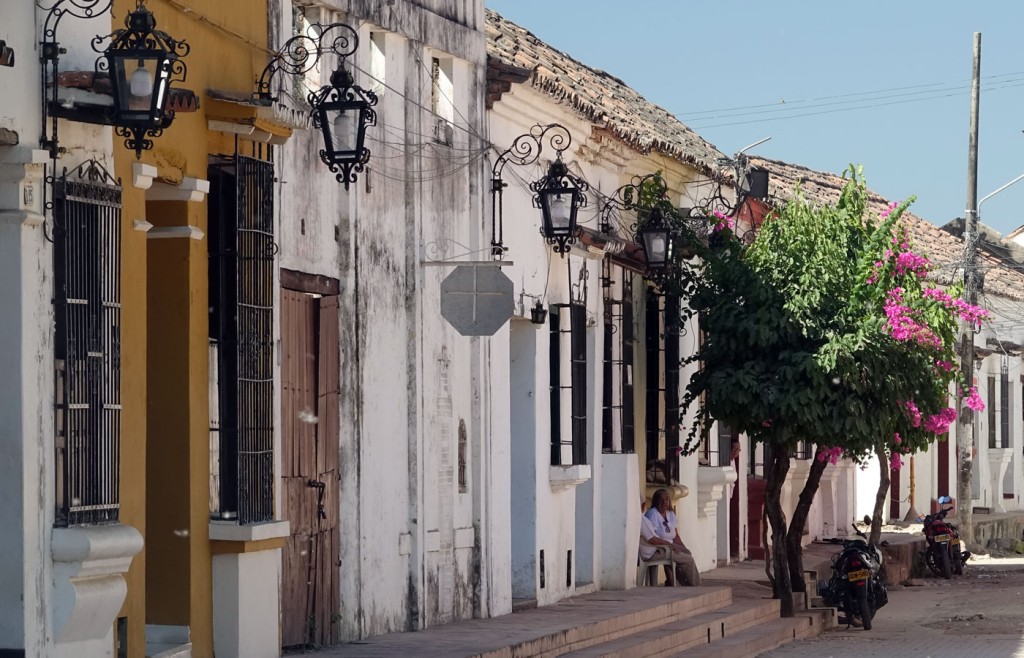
{"points": [[965, 421]]}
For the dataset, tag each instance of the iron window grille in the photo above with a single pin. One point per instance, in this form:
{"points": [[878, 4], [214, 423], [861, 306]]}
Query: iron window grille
{"points": [[87, 344], [242, 249], [1004, 403], [662, 349], [568, 324], [993, 435], [617, 394]]}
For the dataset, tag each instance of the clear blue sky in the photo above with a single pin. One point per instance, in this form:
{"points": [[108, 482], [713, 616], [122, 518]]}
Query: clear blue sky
{"points": [[818, 59]]}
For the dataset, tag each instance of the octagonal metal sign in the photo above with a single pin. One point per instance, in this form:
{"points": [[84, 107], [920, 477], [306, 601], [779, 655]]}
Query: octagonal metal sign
{"points": [[476, 300]]}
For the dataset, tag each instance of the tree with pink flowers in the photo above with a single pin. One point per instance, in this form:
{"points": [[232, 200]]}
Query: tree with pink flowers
{"points": [[824, 328]]}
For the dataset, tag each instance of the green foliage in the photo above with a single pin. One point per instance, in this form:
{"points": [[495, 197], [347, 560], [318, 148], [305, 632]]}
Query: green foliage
{"points": [[796, 344]]}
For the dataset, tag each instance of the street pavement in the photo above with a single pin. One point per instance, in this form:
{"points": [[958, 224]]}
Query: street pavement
{"points": [[978, 615]]}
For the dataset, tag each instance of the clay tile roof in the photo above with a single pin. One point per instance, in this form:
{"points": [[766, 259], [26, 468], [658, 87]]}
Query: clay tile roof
{"points": [[597, 96], [943, 248]]}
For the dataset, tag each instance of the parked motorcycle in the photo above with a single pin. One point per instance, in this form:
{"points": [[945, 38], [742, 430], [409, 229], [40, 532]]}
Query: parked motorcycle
{"points": [[943, 555], [856, 586]]}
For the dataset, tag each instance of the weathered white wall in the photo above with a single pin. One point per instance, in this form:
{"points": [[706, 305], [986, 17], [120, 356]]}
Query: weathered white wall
{"points": [[413, 548]]}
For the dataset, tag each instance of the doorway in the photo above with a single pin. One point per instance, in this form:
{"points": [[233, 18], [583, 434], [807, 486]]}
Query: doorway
{"points": [[310, 597]]}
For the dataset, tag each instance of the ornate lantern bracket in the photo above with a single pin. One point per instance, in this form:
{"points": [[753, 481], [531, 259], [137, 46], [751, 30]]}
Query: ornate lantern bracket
{"points": [[558, 195], [341, 110], [298, 56]]}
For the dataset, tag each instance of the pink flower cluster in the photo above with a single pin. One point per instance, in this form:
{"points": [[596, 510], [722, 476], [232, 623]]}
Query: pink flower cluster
{"points": [[724, 221], [888, 211], [908, 261], [945, 366], [896, 438], [895, 461], [974, 401], [833, 455], [967, 312], [903, 325], [939, 423], [913, 413]]}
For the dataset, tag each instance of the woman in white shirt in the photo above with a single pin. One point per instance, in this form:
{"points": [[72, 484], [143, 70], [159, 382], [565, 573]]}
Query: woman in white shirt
{"points": [[660, 523]]}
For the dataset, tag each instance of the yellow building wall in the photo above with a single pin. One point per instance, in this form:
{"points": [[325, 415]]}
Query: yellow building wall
{"points": [[165, 371]]}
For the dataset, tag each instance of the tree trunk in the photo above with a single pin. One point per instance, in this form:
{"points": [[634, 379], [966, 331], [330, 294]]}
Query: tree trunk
{"points": [[794, 547], [779, 467], [883, 493]]}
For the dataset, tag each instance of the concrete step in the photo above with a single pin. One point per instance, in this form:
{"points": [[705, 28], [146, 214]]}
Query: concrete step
{"points": [[763, 637], [694, 631], [600, 618]]}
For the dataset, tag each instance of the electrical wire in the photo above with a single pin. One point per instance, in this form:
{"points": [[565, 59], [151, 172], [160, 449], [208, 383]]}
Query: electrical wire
{"points": [[846, 109], [955, 84]]}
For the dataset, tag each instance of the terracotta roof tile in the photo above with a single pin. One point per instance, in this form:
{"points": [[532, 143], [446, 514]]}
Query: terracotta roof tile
{"points": [[940, 246], [597, 96]]}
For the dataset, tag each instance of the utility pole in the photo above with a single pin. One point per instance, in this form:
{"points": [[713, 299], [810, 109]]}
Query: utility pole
{"points": [[965, 421]]}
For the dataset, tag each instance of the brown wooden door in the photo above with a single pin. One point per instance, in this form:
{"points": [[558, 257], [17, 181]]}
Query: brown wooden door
{"points": [[309, 468]]}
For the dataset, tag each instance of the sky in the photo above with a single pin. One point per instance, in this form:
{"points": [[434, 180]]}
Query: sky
{"points": [[882, 84]]}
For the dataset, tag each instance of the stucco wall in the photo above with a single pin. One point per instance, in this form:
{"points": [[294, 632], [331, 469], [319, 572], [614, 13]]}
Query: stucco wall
{"points": [[411, 543]]}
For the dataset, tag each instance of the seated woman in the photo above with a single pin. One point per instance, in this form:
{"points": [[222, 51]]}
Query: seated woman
{"points": [[658, 527]]}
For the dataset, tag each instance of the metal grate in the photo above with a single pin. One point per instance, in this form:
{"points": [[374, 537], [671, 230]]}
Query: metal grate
{"points": [[617, 393], [242, 252], [568, 387], [1004, 403], [662, 421], [87, 344]]}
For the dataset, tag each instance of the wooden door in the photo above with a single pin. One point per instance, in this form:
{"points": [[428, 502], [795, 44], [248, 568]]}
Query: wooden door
{"points": [[309, 468]]}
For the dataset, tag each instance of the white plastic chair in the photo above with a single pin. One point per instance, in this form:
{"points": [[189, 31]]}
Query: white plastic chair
{"points": [[647, 571]]}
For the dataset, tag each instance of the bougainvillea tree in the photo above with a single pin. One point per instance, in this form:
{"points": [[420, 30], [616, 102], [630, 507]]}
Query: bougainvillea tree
{"points": [[823, 328]]}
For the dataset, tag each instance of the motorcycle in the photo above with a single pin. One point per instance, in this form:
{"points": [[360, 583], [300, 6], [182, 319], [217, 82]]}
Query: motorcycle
{"points": [[943, 555], [856, 586]]}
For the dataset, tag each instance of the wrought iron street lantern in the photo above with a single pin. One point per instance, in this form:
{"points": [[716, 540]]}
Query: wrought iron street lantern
{"points": [[342, 111], [142, 62], [559, 195], [6, 54], [656, 237], [538, 314]]}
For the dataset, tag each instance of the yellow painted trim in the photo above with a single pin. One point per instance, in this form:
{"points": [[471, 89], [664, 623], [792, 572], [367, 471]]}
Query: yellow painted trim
{"points": [[225, 547], [244, 114]]}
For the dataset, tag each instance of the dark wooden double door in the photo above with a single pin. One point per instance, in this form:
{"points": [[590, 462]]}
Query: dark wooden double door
{"points": [[310, 598]]}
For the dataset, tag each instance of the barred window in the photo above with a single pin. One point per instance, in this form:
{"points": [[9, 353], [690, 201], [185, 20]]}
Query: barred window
{"points": [[568, 380], [662, 349], [1004, 403], [87, 344], [241, 244], [617, 394]]}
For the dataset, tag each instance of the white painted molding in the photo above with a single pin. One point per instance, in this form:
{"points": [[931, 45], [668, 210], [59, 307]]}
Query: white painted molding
{"points": [[711, 485], [432, 541], [565, 477], [161, 232], [190, 189], [231, 531], [243, 130], [88, 578], [141, 225], [21, 185], [143, 175]]}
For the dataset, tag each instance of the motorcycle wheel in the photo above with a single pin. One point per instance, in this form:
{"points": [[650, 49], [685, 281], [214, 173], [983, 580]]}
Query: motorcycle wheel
{"points": [[958, 563], [947, 570], [863, 607]]}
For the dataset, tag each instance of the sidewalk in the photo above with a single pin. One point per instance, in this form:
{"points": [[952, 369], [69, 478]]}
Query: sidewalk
{"points": [[497, 636]]}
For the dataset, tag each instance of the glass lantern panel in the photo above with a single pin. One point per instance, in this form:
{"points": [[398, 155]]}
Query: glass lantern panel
{"points": [[560, 208], [135, 79], [344, 131], [656, 247]]}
